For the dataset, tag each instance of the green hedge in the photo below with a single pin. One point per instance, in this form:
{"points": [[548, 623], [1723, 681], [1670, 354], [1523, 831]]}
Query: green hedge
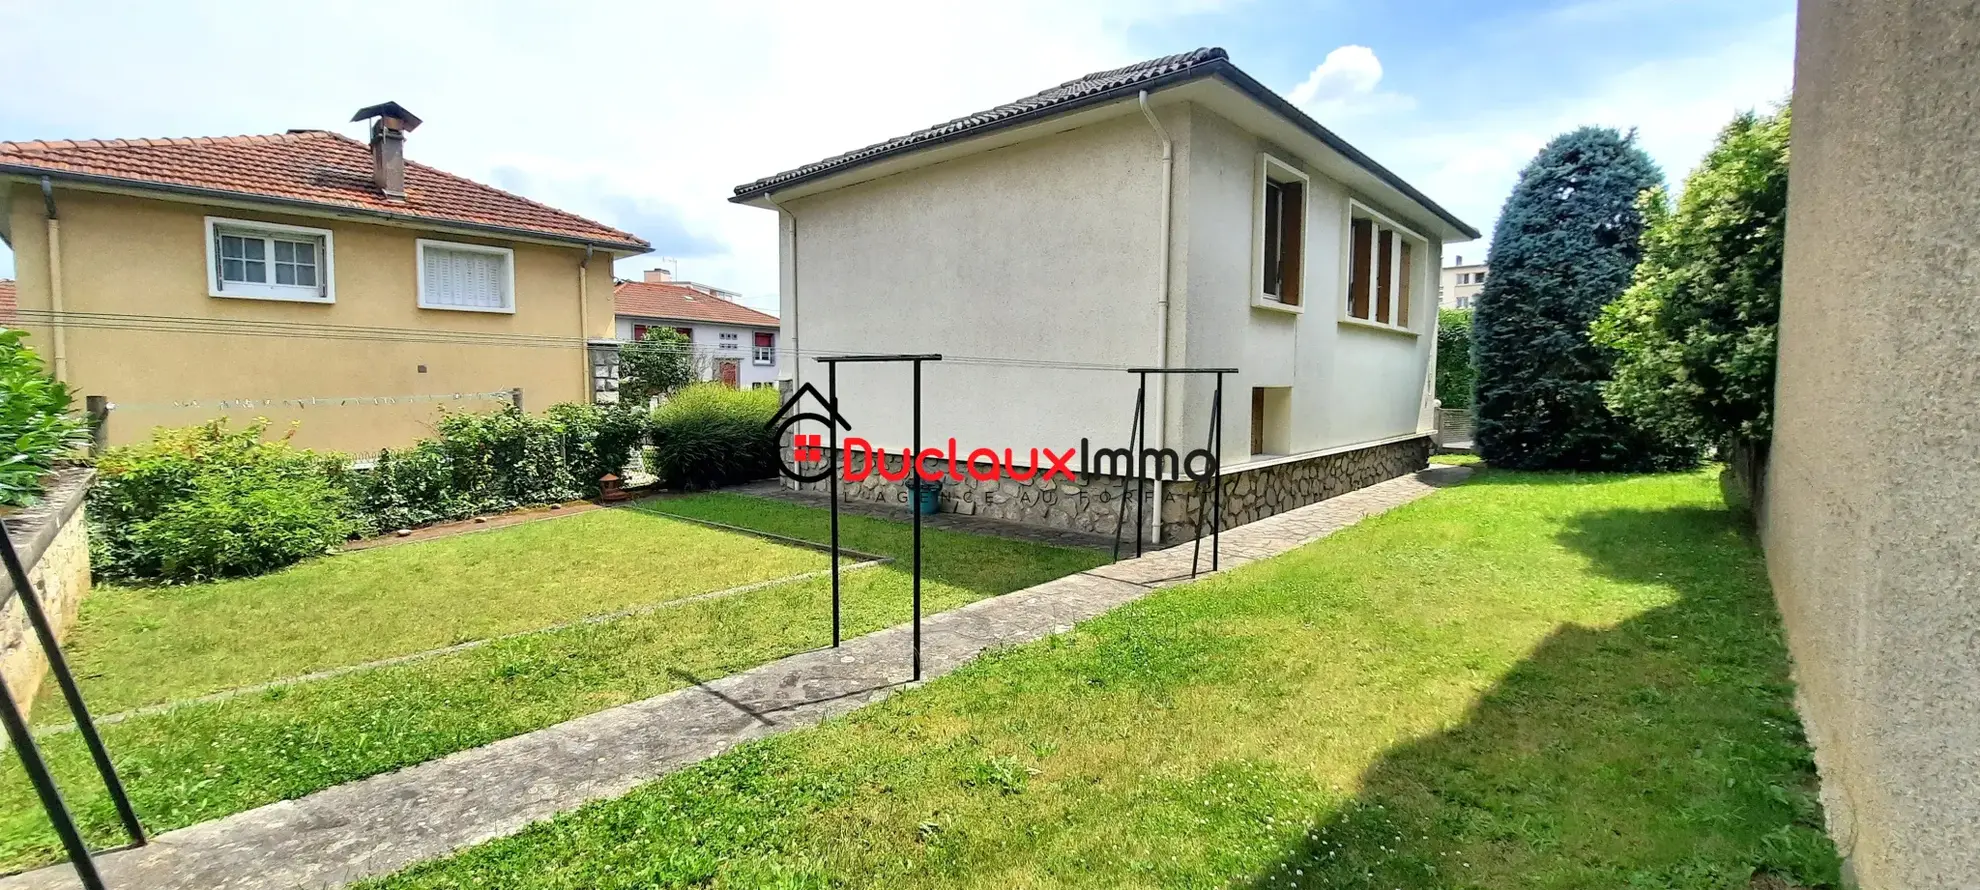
{"points": [[709, 435], [36, 424], [209, 502], [487, 463]]}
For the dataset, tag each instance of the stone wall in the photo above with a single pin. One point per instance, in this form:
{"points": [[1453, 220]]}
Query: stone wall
{"points": [[53, 542], [1092, 501]]}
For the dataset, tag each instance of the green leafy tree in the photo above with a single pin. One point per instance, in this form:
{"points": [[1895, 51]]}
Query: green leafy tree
{"points": [[37, 426], [656, 365], [1564, 247], [1455, 373], [1694, 334]]}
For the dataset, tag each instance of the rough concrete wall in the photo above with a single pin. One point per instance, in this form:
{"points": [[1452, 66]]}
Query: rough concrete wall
{"points": [[1869, 514], [53, 542]]}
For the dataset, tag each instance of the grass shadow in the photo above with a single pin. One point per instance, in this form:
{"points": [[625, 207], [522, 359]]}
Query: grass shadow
{"points": [[984, 565], [1660, 752]]}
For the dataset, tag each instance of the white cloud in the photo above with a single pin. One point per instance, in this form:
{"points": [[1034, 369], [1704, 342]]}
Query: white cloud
{"points": [[1346, 83], [643, 114]]}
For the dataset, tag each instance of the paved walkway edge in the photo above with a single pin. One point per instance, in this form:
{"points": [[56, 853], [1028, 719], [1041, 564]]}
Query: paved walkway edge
{"points": [[379, 825]]}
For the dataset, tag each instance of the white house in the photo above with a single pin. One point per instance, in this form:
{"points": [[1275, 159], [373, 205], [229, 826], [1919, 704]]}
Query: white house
{"points": [[1173, 213], [732, 342], [1460, 283]]}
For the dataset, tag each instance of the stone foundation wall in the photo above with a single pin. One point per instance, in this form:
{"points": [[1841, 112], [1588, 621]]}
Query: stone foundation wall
{"points": [[53, 542], [1092, 502]]}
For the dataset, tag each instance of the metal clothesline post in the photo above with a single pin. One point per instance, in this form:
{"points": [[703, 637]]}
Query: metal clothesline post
{"points": [[23, 740], [916, 359], [1137, 445], [834, 462]]}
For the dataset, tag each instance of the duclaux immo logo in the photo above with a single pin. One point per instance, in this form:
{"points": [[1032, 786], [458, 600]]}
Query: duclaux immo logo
{"points": [[858, 459]]}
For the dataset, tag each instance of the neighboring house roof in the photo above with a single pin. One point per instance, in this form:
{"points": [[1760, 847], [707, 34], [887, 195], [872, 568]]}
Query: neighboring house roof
{"points": [[1097, 88], [672, 301], [313, 168], [9, 300]]}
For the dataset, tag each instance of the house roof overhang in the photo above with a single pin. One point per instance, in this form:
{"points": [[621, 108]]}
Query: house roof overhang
{"points": [[1218, 85], [10, 174]]}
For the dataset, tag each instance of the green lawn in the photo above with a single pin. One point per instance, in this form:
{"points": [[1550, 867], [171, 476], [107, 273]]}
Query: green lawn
{"points": [[142, 646], [1527, 681], [204, 761]]}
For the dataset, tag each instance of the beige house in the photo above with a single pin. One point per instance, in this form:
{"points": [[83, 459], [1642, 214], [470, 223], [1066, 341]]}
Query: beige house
{"points": [[301, 276], [1459, 284], [1170, 214]]}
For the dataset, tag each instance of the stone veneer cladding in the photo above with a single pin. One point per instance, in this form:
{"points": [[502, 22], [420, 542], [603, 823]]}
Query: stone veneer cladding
{"points": [[1091, 503]]}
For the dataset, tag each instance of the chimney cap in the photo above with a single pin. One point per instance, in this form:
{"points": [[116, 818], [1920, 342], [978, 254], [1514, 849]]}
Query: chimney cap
{"points": [[410, 120]]}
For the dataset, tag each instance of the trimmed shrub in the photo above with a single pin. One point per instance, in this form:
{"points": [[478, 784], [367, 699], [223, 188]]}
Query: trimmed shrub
{"points": [[709, 435], [599, 439], [1455, 373], [479, 463], [209, 502], [1694, 334], [36, 425], [1564, 247], [655, 365]]}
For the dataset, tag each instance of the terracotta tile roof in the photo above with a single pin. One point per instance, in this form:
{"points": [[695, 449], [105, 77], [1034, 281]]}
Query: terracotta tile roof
{"points": [[313, 167], [1098, 88], [8, 300], [678, 302], [1080, 87]]}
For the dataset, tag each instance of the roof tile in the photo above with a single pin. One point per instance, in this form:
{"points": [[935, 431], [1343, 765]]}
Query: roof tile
{"points": [[675, 301], [311, 166], [9, 301]]}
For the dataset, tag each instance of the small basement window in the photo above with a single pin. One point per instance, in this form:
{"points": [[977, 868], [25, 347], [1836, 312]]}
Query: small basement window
{"points": [[1281, 227], [1271, 420], [267, 261], [466, 277], [1381, 269]]}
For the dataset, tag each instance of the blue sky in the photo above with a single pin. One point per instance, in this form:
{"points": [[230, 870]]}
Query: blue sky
{"points": [[644, 115]]}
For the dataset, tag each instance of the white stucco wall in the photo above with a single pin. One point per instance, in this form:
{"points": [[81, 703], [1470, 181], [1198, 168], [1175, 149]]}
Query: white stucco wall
{"points": [[1040, 252], [1350, 384], [1047, 251], [708, 342]]}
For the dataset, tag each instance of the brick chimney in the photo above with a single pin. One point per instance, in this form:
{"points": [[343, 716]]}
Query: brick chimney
{"points": [[658, 276], [388, 145]]}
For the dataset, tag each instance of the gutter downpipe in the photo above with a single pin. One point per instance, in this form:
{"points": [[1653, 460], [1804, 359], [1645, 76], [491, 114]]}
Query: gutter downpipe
{"points": [[584, 323], [55, 305], [1161, 317]]}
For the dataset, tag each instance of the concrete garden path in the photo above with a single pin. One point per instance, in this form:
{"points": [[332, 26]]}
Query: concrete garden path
{"points": [[379, 825]]}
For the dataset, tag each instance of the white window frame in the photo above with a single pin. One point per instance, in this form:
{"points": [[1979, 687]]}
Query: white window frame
{"points": [[1354, 209], [324, 292], [508, 274], [1273, 169]]}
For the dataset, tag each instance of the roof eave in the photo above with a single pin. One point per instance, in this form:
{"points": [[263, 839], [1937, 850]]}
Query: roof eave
{"points": [[1222, 68], [773, 321], [759, 197], [621, 248]]}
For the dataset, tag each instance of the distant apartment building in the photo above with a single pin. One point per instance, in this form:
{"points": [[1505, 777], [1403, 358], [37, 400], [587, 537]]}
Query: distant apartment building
{"points": [[1460, 285]]}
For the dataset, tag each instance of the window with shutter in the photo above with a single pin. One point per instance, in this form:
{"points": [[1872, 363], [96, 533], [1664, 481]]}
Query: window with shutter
{"points": [[1281, 234], [466, 277], [268, 261], [1382, 269]]}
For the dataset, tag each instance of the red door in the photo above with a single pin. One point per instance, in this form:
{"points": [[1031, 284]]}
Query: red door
{"points": [[730, 371]]}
